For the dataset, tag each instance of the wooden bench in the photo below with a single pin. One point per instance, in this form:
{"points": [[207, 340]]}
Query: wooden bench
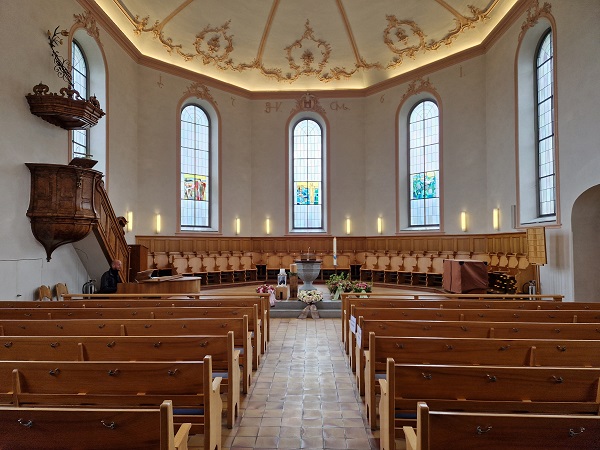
{"points": [[484, 351], [433, 300], [149, 313], [441, 430], [225, 360], [189, 385], [152, 300], [546, 390], [136, 327], [92, 428], [486, 315]]}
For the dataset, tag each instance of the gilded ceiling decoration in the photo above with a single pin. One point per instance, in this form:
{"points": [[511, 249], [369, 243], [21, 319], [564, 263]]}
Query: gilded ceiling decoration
{"points": [[533, 15], [308, 45]]}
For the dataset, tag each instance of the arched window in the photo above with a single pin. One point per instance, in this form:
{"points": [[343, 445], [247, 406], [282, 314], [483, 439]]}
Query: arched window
{"points": [[544, 98], [79, 74], [307, 176], [195, 169], [424, 165]]}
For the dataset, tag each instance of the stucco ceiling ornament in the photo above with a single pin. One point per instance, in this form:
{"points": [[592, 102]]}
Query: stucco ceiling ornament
{"points": [[313, 56], [533, 15], [200, 91], [417, 86], [308, 102], [88, 21]]}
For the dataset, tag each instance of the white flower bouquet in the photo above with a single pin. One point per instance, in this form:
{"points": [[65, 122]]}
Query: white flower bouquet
{"points": [[310, 297]]}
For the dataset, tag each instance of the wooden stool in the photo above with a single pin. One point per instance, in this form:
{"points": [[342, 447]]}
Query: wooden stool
{"points": [[281, 292]]}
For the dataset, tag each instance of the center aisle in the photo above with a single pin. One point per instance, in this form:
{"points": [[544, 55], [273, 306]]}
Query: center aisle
{"points": [[303, 395]]}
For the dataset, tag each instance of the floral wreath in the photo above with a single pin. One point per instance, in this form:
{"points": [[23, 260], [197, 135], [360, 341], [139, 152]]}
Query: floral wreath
{"points": [[310, 297], [265, 289]]}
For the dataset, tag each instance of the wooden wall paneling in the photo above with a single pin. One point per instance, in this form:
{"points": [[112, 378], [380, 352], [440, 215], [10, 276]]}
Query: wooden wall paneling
{"points": [[433, 244], [159, 245], [479, 244], [463, 244], [186, 245], [447, 245]]}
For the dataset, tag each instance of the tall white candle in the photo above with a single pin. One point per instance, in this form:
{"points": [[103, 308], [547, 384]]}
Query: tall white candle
{"points": [[334, 251]]}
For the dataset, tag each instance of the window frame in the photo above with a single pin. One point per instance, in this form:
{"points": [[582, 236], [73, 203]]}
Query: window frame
{"points": [[209, 225], [425, 225], [538, 142], [86, 75]]}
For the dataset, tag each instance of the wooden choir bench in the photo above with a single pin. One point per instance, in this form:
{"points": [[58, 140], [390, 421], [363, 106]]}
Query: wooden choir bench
{"points": [[136, 327], [470, 351], [442, 430], [72, 428], [547, 390], [189, 385], [225, 359]]}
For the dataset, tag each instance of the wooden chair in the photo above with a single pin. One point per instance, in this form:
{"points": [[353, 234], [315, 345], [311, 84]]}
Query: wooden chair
{"points": [[224, 267], [249, 268], [60, 289], [72, 428], [366, 270], [44, 293], [273, 266], [213, 275]]}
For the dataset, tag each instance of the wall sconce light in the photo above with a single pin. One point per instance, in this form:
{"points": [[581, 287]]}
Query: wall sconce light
{"points": [[268, 225], [496, 218], [158, 224], [129, 220], [348, 225], [379, 225], [463, 220], [237, 225]]}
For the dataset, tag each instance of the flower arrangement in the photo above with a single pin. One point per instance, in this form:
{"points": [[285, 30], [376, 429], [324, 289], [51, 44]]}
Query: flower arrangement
{"points": [[362, 286], [310, 297], [340, 281], [265, 289]]}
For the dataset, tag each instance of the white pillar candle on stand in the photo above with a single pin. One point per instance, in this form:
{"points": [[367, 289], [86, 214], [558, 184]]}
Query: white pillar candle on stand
{"points": [[334, 251]]}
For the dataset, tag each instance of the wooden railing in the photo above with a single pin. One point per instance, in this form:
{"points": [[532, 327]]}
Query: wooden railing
{"points": [[109, 230]]}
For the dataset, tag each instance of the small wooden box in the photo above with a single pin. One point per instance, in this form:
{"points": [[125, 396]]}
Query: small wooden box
{"points": [[281, 292]]}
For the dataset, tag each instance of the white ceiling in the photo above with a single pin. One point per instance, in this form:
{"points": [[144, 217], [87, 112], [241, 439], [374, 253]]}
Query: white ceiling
{"points": [[274, 45]]}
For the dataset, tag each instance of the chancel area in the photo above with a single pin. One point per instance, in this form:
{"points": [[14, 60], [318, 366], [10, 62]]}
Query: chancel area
{"points": [[399, 143]]}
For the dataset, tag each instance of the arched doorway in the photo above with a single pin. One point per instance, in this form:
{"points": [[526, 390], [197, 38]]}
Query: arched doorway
{"points": [[585, 223]]}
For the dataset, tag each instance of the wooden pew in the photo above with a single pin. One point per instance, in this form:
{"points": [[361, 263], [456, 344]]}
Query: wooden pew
{"points": [[225, 359], [128, 300], [136, 327], [546, 390], [463, 351], [441, 430], [436, 300], [92, 428], [189, 385], [254, 321], [458, 329], [487, 315]]}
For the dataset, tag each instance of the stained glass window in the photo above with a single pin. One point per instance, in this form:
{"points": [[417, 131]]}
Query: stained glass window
{"points": [[307, 176], [79, 74], [424, 170], [195, 169], [545, 127]]}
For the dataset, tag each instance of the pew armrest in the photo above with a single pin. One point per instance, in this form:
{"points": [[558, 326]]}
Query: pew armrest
{"points": [[182, 436], [411, 438]]}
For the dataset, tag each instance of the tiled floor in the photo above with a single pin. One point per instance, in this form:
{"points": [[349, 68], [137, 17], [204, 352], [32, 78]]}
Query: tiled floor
{"points": [[303, 395]]}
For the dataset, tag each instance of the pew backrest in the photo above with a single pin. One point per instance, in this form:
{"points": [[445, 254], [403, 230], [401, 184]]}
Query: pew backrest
{"points": [[91, 428]]}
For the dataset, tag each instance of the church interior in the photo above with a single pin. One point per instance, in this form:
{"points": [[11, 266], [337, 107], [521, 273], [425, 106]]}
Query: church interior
{"points": [[214, 144]]}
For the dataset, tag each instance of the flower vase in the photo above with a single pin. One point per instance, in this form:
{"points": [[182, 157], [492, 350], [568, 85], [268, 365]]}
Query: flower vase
{"points": [[363, 294]]}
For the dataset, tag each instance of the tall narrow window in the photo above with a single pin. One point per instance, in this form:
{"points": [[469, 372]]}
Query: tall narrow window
{"points": [[307, 155], [424, 167], [546, 173], [195, 169], [79, 74]]}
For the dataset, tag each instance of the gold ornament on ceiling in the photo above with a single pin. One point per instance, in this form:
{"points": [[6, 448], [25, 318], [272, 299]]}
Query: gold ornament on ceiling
{"points": [[308, 102], [311, 55]]}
